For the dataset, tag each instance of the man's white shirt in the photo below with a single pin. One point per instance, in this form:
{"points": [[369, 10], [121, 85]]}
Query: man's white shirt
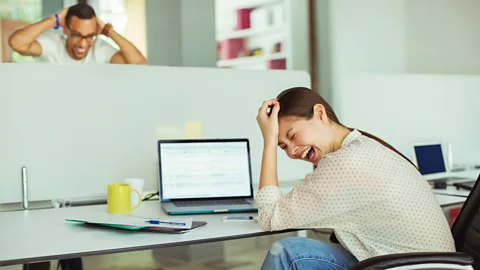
{"points": [[54, 50]]}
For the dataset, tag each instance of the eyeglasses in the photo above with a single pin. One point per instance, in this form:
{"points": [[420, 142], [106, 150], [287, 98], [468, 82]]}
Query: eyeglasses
{"points": [[77, 37]]}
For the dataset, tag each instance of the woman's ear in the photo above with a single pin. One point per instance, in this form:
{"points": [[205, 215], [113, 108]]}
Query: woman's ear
{"points": [[319, 112]]}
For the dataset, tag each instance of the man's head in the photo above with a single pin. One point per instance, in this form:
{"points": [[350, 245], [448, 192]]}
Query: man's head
{"points": [[81, 30]]}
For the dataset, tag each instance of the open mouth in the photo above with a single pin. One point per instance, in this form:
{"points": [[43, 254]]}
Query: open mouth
{"points": [[80, 51], [308, 154]]}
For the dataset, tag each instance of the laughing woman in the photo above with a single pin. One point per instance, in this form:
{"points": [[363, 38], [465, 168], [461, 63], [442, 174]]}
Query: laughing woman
{"points": [[371, 196]]}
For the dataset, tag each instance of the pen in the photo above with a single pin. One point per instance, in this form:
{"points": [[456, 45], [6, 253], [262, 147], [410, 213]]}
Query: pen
{"points": [[166, 222], [225, 218]]}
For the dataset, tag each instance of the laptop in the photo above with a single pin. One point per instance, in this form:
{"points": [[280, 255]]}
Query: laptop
{"points": [[430, 160], [205, 176]]}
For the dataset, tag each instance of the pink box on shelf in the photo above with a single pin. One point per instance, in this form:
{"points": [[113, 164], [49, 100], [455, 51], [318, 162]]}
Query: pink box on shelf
{"points": [[231, 48], [278, 47], [277, 64], [243, 18]]}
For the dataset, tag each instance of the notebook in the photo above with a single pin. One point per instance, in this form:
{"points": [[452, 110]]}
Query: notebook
{"points": [[195, 224], [131, 223]]}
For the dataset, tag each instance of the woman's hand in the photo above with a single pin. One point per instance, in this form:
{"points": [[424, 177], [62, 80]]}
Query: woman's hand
{"points": [[269, 124]]}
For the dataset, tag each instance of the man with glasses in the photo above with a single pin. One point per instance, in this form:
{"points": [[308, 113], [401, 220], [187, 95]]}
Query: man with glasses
{"points": [[79, 44]]}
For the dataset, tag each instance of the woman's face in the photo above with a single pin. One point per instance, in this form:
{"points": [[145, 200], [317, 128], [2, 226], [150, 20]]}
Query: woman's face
{"points": [[308, 140]]}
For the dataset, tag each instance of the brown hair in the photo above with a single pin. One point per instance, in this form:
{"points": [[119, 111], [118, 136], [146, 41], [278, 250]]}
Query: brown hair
{"points": [[299, 102]]}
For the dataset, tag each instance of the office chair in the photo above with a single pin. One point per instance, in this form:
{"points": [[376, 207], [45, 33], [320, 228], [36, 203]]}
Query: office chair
{"points": [[466, 233]]}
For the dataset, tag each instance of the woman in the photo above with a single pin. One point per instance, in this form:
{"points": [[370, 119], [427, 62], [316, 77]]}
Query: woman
{"points": [[372, 197]]}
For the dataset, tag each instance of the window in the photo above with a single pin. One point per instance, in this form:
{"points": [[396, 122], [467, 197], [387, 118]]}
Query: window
{"points": [[127, 18], [15, 14], [111, 11]]}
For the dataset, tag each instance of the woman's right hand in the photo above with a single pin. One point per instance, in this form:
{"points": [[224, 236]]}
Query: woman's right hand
{"points": [[269, 124]]}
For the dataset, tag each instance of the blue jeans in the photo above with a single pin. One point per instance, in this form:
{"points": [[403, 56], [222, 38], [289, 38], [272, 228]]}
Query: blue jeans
{"points": [[304, 253]]}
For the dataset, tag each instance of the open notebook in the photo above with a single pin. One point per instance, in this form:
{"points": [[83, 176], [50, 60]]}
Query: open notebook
{"points": [[134, 224]]}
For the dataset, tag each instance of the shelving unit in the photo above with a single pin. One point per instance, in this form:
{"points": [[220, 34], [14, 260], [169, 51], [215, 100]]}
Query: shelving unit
{"points": [[278, 36], [256, 3], [250, 60], [246, 33]]}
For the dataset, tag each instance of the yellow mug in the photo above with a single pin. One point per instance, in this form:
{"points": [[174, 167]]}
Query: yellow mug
{"points": [[118, 199]]}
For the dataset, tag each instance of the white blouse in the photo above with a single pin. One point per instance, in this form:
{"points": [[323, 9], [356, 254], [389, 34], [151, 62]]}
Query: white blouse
{"points": [[375, 201]]}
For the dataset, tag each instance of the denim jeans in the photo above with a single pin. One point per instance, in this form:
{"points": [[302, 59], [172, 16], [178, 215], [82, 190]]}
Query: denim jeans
{"points": [[304, 253]]}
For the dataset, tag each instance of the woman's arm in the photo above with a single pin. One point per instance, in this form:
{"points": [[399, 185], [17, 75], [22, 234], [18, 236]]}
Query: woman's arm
{"points": [[268, 172], [269, 127]]}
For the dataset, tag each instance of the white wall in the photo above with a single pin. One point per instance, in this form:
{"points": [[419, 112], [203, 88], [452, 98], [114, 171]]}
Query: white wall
{"points": [[374, 37], [181, 33], [199, 47], [412, 36], [404, 108], [50, 7], [362, 36], [443, 36]]}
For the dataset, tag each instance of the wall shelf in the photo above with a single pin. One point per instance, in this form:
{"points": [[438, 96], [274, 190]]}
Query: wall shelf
{"points": [[280, 26], [257, 4], [245, 33], [250, 60]]}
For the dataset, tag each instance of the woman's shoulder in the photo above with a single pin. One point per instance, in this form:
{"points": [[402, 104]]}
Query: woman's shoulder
{"points": [[361, 152]]}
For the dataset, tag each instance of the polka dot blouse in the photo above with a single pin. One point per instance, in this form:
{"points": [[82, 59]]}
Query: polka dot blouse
{"points": [[375, 201]]}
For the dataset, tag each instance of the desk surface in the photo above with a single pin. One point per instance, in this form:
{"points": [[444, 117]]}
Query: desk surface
{"points": [[452, 191], [447, 200], [29, 236]]}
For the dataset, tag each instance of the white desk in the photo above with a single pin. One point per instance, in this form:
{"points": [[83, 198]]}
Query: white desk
{"points": [[452, 191], [469, 174], [39, 235], [29, 236], [447, 200]]}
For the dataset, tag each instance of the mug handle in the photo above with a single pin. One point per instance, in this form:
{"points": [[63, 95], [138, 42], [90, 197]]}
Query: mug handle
{"points": [[139, 199]]}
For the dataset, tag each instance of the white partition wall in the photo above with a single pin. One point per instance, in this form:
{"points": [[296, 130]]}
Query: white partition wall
{"points": [[78, 128], [405, 108]]}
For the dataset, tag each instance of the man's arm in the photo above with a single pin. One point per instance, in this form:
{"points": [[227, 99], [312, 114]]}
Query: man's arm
{"points": [[128, 53], [24, 40]]}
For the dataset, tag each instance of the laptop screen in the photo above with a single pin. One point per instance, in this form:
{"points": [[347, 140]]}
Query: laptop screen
{"points": [[208, 169], [430, 158]]}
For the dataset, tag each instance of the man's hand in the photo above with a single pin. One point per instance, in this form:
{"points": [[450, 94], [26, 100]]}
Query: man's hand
{"points": [[62, 15], [268, 121], [100, 26]]}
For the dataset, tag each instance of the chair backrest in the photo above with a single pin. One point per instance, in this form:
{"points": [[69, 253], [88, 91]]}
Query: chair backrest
{"points": [[466, 228]]}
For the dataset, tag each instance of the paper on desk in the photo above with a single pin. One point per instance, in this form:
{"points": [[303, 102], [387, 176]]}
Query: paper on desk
{"points": [[108, 219]]}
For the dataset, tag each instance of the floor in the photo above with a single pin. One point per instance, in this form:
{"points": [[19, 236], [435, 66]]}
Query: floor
{"points": [[243, 254]]}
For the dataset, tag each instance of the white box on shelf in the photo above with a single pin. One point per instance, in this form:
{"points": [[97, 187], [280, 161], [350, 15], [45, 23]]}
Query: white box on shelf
{"points": [[278, 14], [260, 18]]}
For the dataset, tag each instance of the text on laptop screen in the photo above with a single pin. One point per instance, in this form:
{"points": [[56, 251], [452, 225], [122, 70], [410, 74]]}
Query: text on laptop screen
{"points": [[204, 170], [430, 158]]}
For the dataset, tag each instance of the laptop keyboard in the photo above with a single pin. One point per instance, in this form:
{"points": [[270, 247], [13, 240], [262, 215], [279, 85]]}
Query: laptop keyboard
{"points": [[211, 202]]}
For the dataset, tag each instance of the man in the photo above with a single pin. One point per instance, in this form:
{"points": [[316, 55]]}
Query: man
{"points": [[80, 43]]}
